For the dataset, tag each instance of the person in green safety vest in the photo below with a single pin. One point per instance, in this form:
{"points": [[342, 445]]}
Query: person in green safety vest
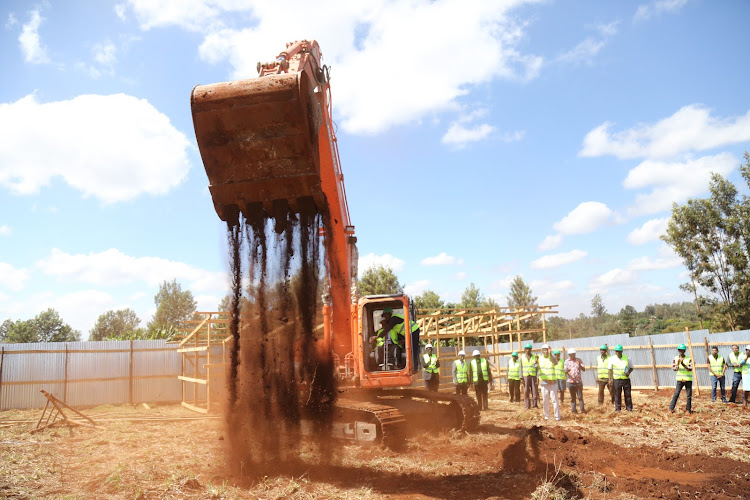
{"points": [[431, 367], [717, 367], [461, 374], [683, 365], [548, 383], [395, 327], [746, 376], [529, 369], [480, 376], [619, 369], [378, 343], [734, 362], [559, 375], [514, 378], [602, 374]]}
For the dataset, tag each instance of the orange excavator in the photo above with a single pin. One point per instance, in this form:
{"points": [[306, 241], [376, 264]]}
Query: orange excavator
{"points": [[270, 140]]}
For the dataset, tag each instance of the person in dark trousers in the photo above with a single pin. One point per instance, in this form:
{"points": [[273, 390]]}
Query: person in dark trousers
{"points": [[461, 374], [529, 375], [735, 362], [620, 368], [514, 378], [683, 365], [480, 376], [574, 367], [602, 374], [717, 367], [431, 367]]}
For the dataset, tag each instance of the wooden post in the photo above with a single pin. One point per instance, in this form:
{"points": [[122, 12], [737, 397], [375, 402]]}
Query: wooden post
{"points": [[544, 328], [2, 359], [130, 373], [653, 364], [695, 371], [65, 380], [195, 371], [518, 327]]}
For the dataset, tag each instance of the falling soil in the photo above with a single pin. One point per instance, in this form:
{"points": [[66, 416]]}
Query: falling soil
{"points": [[280, 380]]}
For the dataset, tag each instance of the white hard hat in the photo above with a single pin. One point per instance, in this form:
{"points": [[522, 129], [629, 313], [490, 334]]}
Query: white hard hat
{"points": [[545, 346], [747, 347], [571, 351], [428, 346], [461, 353], [476, 353]]}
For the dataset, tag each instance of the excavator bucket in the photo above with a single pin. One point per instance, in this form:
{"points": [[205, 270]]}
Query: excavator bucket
{"points": [[259, 142]]}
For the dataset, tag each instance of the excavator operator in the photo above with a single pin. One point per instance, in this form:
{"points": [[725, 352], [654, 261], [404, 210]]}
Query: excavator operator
{"points": [[392, 325], [397, 322], [377, 342]]}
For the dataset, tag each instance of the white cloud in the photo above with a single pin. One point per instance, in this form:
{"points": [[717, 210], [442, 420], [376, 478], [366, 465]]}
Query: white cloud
{"points": [[543, 286], [112, 267], [584, 52], [650, 231], [416, 288], [356, 37], [550, 242], [460, 135], [649, 264], [12, 278], [12, 21], [388, 260], [503, 283], [585, 218], [31, 45], [558, 259], [692, 128], [441, 259], [674, 182], [460, 276], [5, 230], [611, 279], [609, 29], [112, 147], [647, 11]]}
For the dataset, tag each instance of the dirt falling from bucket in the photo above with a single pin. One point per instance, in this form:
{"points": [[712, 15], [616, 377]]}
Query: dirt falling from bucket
{"points": [[281, 387]]}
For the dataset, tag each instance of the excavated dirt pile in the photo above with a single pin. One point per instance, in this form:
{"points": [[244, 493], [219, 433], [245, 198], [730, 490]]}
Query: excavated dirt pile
{"points": [[280, 383]]}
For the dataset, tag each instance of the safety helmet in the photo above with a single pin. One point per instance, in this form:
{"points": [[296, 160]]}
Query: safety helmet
{"points": [[461, 353], [476, 353], [681, 347], [528, 346], [618, 347], [545, 346], [571, 351], [747, 347], [514, 354], [603, 347], [428, 346], [556, 351]]}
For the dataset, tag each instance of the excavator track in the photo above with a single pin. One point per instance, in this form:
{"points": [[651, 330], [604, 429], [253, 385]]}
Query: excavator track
{"points": [[357, 416], [466, 408]]}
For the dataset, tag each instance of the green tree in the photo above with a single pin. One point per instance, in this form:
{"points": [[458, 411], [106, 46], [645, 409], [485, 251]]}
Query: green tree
{"points": [[20, 331], [174, 307], [472, 298], [120, 324], [428, 300], [627, 319], [379, 280], [597, 306], [521, 296], [46, 326]]}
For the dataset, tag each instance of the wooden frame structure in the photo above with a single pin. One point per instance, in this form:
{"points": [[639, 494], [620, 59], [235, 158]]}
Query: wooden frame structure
{"points": [[211, 330]]}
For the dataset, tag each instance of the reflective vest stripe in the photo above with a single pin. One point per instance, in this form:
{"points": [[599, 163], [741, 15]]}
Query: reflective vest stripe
{"points": [[546, 368], [619, 365], [602, 368], [736, 360], [745, 370], [682, 374], [529, 370], [560, 370], [429, 363], [461, 371], [475, 371], [514, 370], [716, 364]]}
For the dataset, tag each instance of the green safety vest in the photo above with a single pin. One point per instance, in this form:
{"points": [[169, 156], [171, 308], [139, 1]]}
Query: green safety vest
{"points": [[394, 338], [560, 370], [429, 363], [746, 370], [475, 371], [602, 368], [682, 374], [736, 360], [514, 370], [400, 327], [619, 365], [461, 368], [716, 364], [529, 371], [546, 368]]}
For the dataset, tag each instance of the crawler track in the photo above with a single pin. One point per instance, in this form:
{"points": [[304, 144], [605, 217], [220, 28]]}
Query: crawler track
{"points": [[391, 424], [465, 406]]}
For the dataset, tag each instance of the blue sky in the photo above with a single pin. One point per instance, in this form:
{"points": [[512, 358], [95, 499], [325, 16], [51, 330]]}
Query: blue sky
{"points": [[542, 138]]}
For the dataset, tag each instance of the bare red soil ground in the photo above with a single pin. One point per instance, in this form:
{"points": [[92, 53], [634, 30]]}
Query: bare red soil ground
{"points": [[516, 454]]}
